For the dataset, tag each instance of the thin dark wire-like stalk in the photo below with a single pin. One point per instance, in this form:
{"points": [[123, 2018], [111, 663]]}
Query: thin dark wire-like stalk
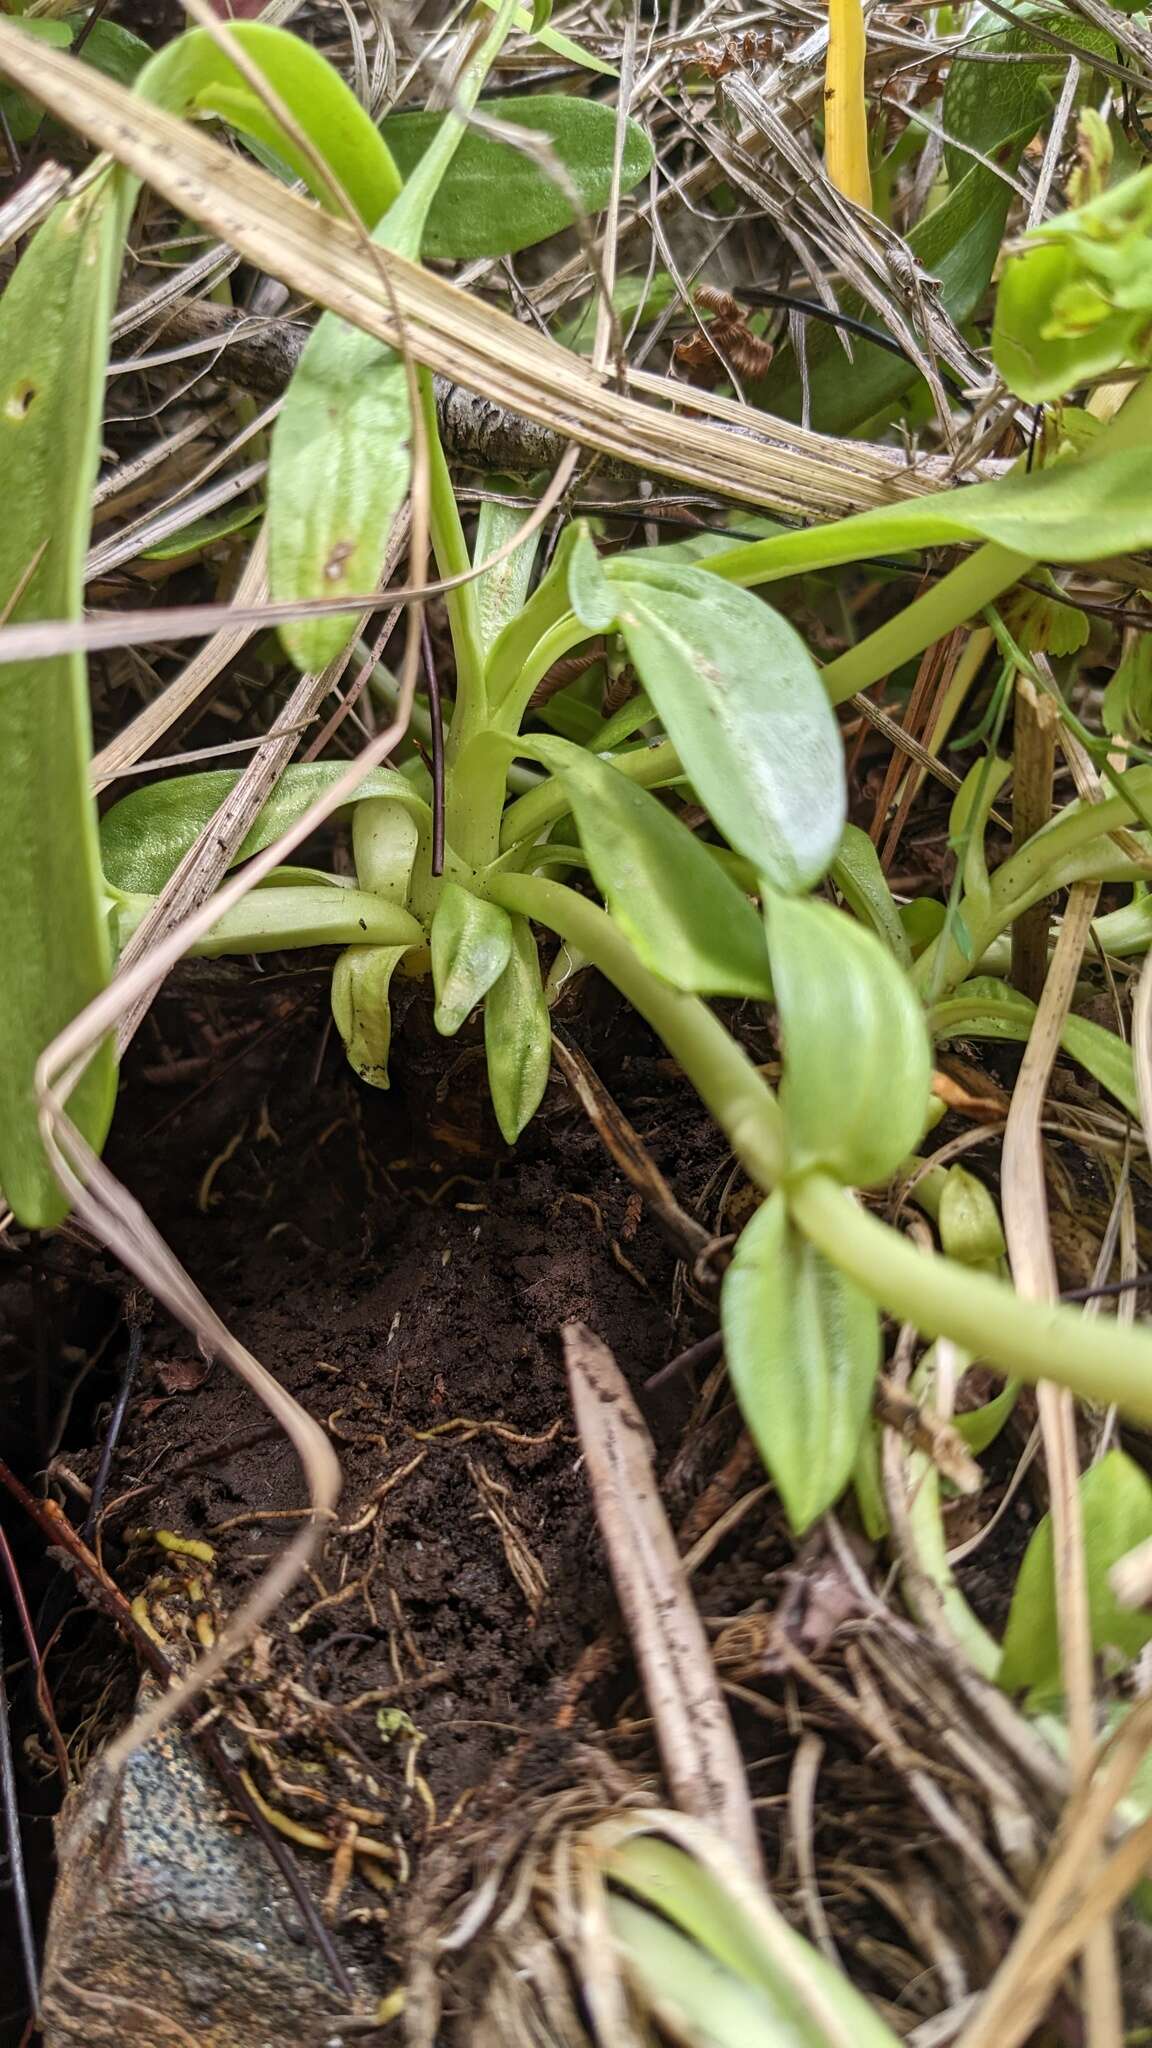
{"points": [[434, 707], [116, 1423], [16, 1847]]}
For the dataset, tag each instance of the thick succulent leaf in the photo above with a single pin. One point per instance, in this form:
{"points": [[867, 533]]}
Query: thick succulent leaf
{"points": [[53, 928], [742, 702], [289, 918], [857, 1055], [1116, 1505], [802, 1346], [471, 941], [362, 1008], [496, 198], [688, 920], [518, 1035], [145, 836]]}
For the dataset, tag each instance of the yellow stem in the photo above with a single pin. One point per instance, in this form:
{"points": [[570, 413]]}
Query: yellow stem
{"points": [[845, 111]]}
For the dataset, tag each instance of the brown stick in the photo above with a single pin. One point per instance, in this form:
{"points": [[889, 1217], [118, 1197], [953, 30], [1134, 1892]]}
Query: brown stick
{"points": [[701, 1759]]}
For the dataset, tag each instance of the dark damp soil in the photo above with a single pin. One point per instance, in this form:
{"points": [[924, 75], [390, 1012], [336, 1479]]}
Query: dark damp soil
{"points": [[407, 1280]]}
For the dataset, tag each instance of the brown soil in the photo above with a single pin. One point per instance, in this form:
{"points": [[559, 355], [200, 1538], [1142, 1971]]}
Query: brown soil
{"points": [[407, 1280]]}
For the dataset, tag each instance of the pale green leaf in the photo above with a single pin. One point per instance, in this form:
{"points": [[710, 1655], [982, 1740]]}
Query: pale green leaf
{"points": [[802, 1346], [987, 1008], [287, 919], [735, 1939], [145, 836], [687, 919], [857, 1055], [1116, 1505], [742, 702], [863, 884], [362, 1008], [194, 74], [518, 1035], [471, 942]]}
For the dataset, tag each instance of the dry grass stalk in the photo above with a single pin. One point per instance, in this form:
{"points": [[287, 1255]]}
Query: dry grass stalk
{"points": [[792, 471]]}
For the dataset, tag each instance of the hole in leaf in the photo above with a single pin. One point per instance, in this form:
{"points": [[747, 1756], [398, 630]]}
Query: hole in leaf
{"points": [[22, 399]]}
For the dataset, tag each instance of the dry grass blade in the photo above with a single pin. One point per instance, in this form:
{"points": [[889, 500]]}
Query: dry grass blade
{"points": [[1034, 1272], [699, 1750], [792, 471], [626, 1147], [140, 735]]}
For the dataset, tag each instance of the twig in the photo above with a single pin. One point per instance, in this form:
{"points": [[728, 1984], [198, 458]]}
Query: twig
{"points": [[700, 1754], [28, 1631]]}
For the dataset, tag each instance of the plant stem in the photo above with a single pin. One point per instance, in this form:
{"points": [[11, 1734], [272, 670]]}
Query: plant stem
{"points": [[1102, 1361], [720, 1071], [960, 595]]}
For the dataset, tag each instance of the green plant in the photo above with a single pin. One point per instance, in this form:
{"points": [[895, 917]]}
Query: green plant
{"points": [[735, 709]]}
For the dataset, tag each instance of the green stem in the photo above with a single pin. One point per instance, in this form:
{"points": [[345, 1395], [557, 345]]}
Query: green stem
{"points": [[722, 1074], [279, 920], [960, 595], [1098, 1358]]}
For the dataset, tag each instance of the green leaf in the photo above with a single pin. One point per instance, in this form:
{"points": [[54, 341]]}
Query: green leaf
{"points": [[287, 919], [111, 49], [987, 1008], [1075, 298], [802, 1346], [1126, 709], [193, 74], [145, 836], [1116, 1505], [362, 1010], [514, 645], [560, 45], [200, 534], [497, 199], [471, 942], [857, 1056], [686, 918], [518, 1035], [385, 841], [593, 598], [969, 1221], [741, 700], [739, 1978], [23, 115], [53, 928], [340, 462], [502, 591], [985, 102], [1077, 510], [863, 884]]}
